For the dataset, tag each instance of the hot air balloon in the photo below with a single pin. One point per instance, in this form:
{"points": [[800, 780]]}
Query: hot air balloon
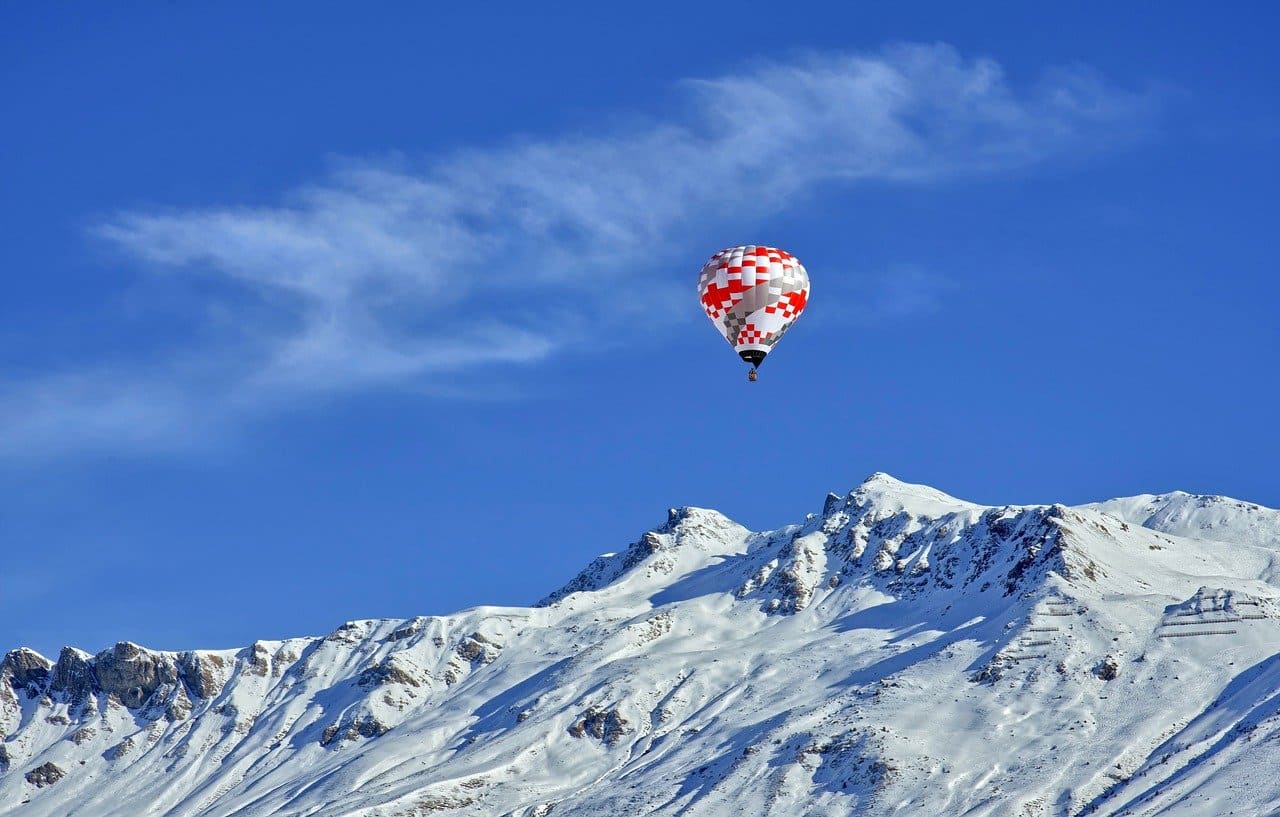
{"points": [[753, 295]]}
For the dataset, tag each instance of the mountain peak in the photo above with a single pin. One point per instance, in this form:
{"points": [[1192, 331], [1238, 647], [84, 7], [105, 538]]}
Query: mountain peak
{"points": [[894, 495], [687, 515], [880, 477]]}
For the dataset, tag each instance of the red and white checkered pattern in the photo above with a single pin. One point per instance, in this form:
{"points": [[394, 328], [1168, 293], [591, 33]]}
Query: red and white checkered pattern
{"points": [[790, 304], [750, 335], [753, 294]]}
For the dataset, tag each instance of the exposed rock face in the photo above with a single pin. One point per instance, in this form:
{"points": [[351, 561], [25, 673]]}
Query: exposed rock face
{"points": [[260, 658], [349, 633], [803, 567], [84, 733], [358, 727], [387, 673], [607, 725], [1107, 669], [408, 631], [72, 674], [201, 673], [832, 503], [44, 775], [4, 758], [121, 749], [477, 649], [179, 706], [126, 674], [131, 673], [26, 669]]}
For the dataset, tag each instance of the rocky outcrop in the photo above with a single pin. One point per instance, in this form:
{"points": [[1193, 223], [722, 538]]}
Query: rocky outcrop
{"points": [[387, 672], [1108, 669], [260, 658], [126, 674], [349, 633], [803, 567], [121, 749], [606, 725], [361, 726], [25, 669], [201, 673], [83, 735], [179, 705], [409, 630], [472, 652], [72, 675], [477, 649], [131, 674], [44, 775]]}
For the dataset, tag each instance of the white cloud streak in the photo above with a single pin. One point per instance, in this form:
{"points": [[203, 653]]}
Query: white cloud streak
{"points": [[386, 274]]}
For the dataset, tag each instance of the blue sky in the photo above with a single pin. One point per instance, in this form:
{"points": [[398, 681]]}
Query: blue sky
{"points": [[313, 313]]}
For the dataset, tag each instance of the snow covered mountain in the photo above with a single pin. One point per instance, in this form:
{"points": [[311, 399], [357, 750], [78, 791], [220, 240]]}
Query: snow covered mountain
{"points": [[903, 652]]}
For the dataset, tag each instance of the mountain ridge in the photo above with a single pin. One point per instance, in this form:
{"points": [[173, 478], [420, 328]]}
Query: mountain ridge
{"points": [[901, 646]]}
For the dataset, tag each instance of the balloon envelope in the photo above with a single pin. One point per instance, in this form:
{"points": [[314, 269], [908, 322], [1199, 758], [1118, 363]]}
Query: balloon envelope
{"points": [[753, 295]]}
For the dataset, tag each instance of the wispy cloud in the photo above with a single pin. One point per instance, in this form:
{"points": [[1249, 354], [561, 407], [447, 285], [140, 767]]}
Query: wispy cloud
{"points": [[394, 272]]}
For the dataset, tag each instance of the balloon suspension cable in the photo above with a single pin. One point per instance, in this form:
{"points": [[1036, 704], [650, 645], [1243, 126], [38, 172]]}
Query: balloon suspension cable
{"points": [[751, 375]]}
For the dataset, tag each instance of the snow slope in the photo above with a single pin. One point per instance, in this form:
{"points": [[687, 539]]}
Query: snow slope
{"points": [[902, 652]]}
